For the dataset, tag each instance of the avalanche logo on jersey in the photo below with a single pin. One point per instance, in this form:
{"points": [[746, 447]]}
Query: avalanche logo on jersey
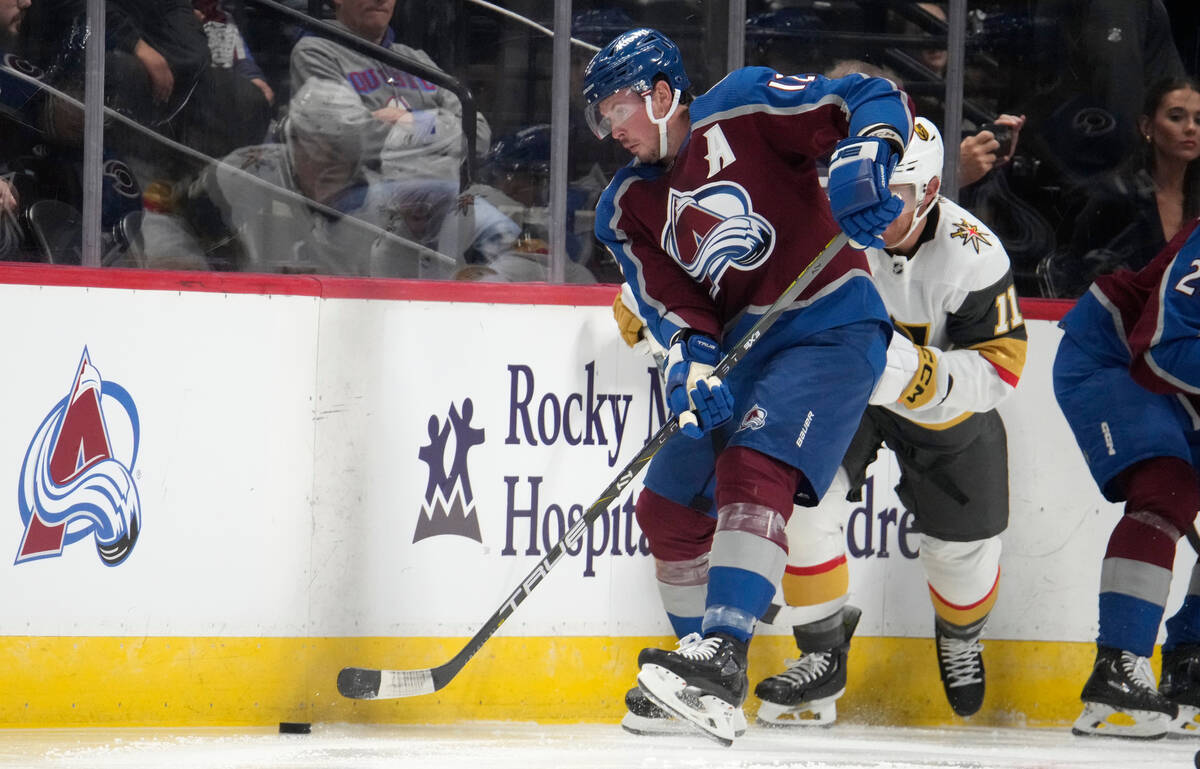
{"points": [[77, 477], [715, 228], [449, 506]]}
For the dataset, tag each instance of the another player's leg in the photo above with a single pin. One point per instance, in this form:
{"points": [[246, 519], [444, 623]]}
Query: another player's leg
{"points": [[1120, 698], [1181, 661], [704, 679], [815, 585], [964, 579], [806, 693], [1181, 652], [956, 482]]}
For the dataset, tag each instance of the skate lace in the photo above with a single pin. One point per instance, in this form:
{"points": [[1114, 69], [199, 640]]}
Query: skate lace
{"points": [[695, 647], [1138, 670], [961, 658], [808, 668]]}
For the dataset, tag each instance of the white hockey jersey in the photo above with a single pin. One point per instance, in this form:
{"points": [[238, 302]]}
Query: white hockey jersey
{"points": [[956, 294]]}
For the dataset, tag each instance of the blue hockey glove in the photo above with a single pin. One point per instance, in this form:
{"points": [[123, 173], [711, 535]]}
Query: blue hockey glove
{"points": [[698, 399], [858, 189]]}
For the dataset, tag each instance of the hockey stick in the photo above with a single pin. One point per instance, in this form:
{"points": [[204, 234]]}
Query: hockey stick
{"points": [[371, 684]]}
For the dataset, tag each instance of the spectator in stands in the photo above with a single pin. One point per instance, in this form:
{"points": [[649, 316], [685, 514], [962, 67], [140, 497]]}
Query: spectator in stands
{"points": [[159, 72], [419, 122], [410, 151], [12, 12], [1109, 51], [1132, 213], [934, 58], [978, 153], [989, 181], [234, 81], [284, 200], [311, 205], [41, 136], [157, 51], [516, 173]]}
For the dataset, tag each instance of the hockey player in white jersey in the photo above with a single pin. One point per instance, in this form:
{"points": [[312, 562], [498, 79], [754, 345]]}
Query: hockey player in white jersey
{"points": [[958, 352]]}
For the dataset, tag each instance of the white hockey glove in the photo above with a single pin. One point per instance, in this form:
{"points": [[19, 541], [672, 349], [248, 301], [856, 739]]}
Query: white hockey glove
{"points": [[901, 365], [913, 376]]}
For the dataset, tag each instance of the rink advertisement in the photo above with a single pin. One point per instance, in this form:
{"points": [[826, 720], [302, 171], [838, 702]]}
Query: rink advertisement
{"points": [[220, 485]]}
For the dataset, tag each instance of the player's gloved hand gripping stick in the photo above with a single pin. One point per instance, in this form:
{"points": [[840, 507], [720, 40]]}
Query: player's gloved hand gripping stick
{"points": [[370, 684], [696, 396]]}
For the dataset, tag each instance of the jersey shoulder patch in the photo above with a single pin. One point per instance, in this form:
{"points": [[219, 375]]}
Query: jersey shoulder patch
{"points": [[970, 233], [971, 251]]}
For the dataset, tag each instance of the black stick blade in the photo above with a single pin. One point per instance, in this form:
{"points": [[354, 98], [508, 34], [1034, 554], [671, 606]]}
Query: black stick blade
{"points": [[367, 684], [359, 683]]}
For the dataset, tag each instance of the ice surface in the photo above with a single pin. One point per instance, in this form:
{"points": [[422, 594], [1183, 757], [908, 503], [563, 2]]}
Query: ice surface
{"points": [[580, 746]]}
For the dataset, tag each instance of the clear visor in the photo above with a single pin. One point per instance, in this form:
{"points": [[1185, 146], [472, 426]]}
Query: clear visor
{"points": [[611, 112], [906, 193]]}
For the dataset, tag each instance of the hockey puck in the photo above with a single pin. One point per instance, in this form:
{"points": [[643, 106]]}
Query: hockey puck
{"points": [[293, 727], [1196, 760]]}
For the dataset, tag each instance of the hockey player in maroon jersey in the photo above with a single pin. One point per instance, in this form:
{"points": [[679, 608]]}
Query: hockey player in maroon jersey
{"points": [[1127, 378], [719, 212]]}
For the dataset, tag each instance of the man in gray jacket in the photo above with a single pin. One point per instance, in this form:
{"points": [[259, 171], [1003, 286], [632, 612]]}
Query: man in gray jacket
{"points": [[416, 131]]}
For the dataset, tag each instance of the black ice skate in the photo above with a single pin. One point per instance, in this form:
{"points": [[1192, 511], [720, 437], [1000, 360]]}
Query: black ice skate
{"points": [[960, 662], [1122, 684], [702, 681], [806, 693], [1181, 685], [642, 716]]}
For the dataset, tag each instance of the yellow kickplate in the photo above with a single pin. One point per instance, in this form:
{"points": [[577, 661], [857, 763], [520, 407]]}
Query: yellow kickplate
{"points": [[155, 681]]}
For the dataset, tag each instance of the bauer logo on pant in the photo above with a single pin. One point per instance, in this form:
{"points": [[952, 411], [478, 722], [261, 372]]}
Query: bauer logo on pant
{"points": [[449, 506], [77, 477]]}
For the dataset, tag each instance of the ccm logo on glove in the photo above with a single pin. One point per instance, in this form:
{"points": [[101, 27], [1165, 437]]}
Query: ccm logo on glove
{"points": [[924, 386]]}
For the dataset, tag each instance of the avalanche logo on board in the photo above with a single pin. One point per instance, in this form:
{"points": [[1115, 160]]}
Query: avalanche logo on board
{"points": [[77, 477], [449, 506]]}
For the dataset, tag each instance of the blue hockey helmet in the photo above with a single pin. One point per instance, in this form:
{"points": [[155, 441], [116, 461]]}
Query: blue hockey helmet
{"points": [[526, 151], [632, 61]]}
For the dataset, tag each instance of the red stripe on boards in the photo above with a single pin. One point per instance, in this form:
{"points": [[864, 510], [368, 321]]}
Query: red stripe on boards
{"points": [[19, 273]]}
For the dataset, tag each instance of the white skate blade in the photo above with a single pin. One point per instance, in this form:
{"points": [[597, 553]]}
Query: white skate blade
{"points": [[654, 727], [1107, 721], [821, 713], [1187, 724], [715, 718]]}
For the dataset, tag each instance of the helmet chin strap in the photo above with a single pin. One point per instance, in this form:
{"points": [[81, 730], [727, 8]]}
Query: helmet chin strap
{"points": [[916, 221], [661, 122]]}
